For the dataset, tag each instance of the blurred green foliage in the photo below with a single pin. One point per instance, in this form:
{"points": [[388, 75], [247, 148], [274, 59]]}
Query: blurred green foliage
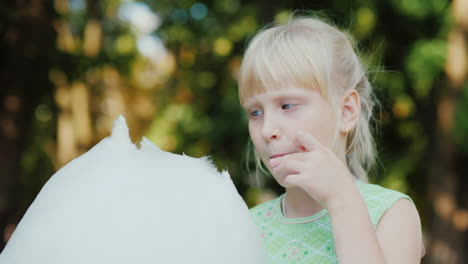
{"points": [[461, 121]]}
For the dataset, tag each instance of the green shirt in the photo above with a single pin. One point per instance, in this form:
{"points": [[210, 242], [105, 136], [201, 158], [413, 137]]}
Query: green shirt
{"points": [[299, 240]]}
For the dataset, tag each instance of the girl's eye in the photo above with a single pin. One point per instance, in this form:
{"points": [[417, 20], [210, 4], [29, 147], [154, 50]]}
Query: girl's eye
{"points": [[255, 113], [287, 106]]}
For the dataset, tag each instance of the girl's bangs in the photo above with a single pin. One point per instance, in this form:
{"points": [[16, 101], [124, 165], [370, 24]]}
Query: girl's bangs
{"points": [[274, 64]]}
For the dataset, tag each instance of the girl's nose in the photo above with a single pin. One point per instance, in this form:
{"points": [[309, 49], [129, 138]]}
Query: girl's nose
{"points": [[271, 136], [270, 130]]}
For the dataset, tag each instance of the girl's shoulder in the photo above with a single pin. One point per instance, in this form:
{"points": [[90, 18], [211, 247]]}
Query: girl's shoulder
{"points": [[265, 205], [376, 193], [379, 199], [262, 212]]}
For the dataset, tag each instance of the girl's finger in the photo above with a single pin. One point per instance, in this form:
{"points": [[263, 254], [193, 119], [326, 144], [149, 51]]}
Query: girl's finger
{"points": [[293, 156], [307, 141], [299, 156], [288, 166], [293, 180]]}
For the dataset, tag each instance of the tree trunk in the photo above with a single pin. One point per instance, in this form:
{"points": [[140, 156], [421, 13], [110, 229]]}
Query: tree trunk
{"points": [[26, 41]]}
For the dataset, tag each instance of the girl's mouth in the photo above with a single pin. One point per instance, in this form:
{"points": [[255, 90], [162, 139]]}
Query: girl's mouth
{"points": [[280, 155]]}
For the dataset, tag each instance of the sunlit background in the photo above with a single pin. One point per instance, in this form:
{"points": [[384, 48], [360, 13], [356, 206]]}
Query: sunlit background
{"points": [[70, 67]]}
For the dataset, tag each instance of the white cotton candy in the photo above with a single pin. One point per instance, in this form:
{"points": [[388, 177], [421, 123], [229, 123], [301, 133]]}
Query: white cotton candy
{"points": [[121, 204]]}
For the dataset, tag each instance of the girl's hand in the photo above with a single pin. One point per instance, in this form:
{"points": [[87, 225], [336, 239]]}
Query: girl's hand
{"points": [[317, 170]]}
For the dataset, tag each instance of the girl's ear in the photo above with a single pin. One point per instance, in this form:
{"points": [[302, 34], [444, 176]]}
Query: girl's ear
{"points": [[351, 108]]}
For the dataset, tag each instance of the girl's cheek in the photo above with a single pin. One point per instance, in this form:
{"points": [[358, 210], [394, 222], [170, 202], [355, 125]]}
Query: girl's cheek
{"points": [[251, 125], [298, 113], [253, 130]]}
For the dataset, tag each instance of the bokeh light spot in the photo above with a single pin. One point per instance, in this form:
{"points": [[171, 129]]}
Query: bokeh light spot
{"points": [[125, 44], [198, 11], [140, 17], [43, 113], [222, 46]]}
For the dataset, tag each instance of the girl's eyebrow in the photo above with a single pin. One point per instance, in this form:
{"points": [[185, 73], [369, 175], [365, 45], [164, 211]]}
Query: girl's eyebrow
{"points": [[247, 104], [274, 97], [250, 102], [287, 96], [248, 108]]}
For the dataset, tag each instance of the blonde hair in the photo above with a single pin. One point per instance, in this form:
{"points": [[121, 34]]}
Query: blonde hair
{"points": [[310, 53]]}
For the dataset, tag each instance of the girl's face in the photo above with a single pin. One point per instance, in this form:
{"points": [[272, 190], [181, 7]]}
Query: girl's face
{"points": [[276, 116]]}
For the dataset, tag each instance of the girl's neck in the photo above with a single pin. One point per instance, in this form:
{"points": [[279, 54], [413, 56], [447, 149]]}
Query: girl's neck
{"points": [[299, 204]]}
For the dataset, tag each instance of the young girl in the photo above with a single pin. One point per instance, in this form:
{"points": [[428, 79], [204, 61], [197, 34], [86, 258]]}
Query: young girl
{"points": [[309, 103]]}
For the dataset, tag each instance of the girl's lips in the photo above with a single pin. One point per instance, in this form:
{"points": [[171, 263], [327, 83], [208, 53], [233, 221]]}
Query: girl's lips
{"points": [[279, 155]]}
